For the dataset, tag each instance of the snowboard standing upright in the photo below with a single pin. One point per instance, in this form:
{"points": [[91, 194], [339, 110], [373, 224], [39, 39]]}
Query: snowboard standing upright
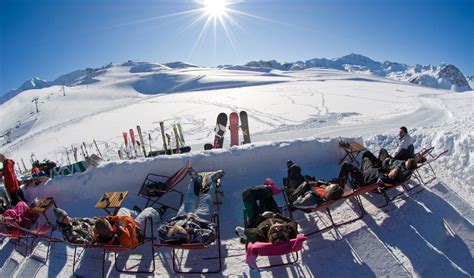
{"points": [[244, 125], [220, 130], [234, 129]]}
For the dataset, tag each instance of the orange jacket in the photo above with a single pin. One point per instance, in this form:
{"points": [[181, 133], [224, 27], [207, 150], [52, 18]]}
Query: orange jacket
{"points": [[126, 229]]}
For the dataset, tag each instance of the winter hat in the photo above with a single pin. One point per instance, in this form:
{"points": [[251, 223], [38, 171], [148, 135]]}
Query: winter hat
{"points": [[275, 188], [61, 216]]}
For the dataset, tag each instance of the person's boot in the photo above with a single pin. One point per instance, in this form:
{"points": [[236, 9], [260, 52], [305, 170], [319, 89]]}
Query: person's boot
{"points": [[239, 231]]}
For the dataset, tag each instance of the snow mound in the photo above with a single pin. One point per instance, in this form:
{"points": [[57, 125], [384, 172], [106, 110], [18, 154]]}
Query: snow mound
{"points": [[180, 65], [247, 68], [169, 82], [147, 67]]}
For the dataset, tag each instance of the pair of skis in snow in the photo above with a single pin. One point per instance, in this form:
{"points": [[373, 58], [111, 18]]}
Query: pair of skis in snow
{"points": [[180, 144], [133, 145], [221, 126]]}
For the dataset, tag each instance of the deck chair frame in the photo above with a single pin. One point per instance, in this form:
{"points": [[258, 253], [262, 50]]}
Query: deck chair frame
{"points": [[115, 249], [169, 182], [177, 265], [429, 157], [24, 236], [384, 192], [326, 207]]}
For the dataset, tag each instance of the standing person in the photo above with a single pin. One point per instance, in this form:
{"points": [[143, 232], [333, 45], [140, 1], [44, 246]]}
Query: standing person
{"points": [[405, 148], [10, 180]]}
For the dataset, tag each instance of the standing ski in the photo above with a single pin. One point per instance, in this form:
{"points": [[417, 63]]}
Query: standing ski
{"points": [[234, 129], [220, 129], [181, 134], [176, 135], [163, 136], [133, 141], [149, 139], [85, 149], [95, 143], [244, 125], [140, 137], [125, 139]]}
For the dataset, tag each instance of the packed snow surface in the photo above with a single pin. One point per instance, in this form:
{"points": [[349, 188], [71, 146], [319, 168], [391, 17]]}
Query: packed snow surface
{"points": [[297, 115]]}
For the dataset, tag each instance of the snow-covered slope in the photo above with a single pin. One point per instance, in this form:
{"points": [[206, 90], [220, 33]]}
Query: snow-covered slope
{"points": [[444, 77], [297, 115]]}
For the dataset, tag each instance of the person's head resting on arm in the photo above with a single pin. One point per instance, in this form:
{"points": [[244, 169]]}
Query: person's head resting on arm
{"points": [[104, 231]]}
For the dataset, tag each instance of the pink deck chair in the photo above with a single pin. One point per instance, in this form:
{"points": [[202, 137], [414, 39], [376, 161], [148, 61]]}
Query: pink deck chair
{"points": [[291, 247]]}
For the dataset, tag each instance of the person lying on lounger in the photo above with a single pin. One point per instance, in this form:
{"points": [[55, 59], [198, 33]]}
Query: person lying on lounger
{"points": [[189, 225], [126, 229], [264, 221], [78, 230], [20, 215], [308, 192], [390, 171]]}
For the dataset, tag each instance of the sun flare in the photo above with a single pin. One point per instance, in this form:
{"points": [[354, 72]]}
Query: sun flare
{"points": [[215, 8]]}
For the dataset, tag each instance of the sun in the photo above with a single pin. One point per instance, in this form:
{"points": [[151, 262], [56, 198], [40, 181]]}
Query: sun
{"points": [[215, 8]]}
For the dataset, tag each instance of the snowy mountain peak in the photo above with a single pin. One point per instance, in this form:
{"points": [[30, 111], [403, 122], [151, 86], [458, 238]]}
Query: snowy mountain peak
{"points": [[357, 59], [452, 77], [443, 77]]}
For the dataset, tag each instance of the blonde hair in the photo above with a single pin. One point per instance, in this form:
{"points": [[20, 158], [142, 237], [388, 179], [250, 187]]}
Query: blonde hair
{"points": [[410, 164]]}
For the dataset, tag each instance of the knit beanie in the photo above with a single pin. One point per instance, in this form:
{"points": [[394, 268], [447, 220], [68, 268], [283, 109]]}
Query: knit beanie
{"points": [[275, 188]]}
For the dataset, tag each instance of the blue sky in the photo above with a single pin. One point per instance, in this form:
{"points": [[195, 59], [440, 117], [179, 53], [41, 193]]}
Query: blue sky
{"points": [[48, 38]]}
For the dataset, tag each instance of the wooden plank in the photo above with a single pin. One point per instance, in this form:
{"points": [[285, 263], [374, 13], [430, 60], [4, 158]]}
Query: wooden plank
{"points": [[115, 200]]}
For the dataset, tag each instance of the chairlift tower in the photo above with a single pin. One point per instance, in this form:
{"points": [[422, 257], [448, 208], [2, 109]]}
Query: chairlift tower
{"points": [[35, 100]]}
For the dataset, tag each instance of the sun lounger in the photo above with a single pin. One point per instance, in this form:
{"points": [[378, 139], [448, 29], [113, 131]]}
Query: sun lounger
{"points": [[155, 186]]}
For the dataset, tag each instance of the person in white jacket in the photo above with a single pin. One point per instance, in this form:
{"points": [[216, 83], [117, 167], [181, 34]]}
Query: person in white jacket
{"points": [[405, 148]]}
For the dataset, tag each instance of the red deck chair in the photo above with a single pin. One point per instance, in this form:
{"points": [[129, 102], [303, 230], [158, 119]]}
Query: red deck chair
{"points": [[326, 206], [155, 186], [28, 237], [106, 248], [177, 265]]}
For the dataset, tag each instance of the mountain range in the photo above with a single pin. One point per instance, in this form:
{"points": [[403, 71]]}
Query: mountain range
{"points": [[447, 77]]}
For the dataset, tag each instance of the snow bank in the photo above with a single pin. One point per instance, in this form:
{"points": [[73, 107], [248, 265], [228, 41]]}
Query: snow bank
{"points": [[244, 166]]}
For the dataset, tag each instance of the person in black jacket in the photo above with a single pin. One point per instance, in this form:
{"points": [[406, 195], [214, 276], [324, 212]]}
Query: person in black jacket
{"points": [[264, 221], [391, 171]]}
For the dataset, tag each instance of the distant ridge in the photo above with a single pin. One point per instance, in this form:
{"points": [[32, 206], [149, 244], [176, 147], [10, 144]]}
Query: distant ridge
{"points": [[447, 77]]}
